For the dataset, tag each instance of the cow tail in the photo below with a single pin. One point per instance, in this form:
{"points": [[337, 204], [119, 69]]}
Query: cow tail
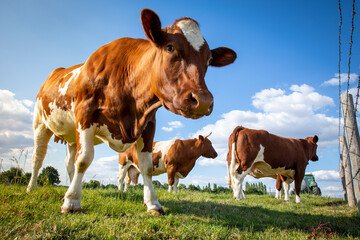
{"points": [[232, 139]]}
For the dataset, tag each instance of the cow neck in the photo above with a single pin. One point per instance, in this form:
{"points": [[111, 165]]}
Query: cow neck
{"points": [[194, 149], [118, 76]]}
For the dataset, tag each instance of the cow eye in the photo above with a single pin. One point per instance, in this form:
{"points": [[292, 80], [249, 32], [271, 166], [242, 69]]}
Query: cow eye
{"points": [[170, 48], [210, 61]]}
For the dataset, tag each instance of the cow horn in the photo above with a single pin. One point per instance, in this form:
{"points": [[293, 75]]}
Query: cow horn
{"points": [[208, 135]]}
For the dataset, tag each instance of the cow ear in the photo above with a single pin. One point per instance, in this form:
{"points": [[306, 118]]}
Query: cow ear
{"points": [[316, 139], [222, 56], [152, 26], [201, 138]]}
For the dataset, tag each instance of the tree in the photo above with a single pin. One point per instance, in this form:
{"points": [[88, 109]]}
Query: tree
{"points": [[49, 176], [14, 175], [93, 184], [255, 188]]}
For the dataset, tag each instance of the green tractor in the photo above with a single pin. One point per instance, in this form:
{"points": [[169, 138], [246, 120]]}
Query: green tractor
{"points": [[308, 185]]}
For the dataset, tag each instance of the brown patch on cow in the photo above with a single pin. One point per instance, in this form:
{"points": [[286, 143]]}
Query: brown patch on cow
{"points": [[155, 158]]}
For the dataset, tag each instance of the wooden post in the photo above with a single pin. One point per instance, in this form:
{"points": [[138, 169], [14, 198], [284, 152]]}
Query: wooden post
{"points": [[342, 178], [345, 164], [352, 137]]}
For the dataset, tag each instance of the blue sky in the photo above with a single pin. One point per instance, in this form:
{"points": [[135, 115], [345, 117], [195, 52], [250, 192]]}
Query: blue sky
{"points": [[282, 81]]}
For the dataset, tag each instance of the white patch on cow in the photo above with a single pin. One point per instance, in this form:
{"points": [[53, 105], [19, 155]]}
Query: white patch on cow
{"points": [[59, 121], [85, 156], [163, 147], [70, 160], [72, 199], [160, 168], [237, 179], [278, 194], [102, 134], [145, 166], [286, 186], [75, 73], [298, 199], [122, 173], [192, 33]]}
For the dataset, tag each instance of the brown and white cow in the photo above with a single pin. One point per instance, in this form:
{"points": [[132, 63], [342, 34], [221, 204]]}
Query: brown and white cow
{"points": [[174, 157], [262, 154], [114, 95]]}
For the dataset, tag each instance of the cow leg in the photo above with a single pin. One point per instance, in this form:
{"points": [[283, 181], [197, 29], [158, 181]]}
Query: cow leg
{"points": [[237, 184], [146, 168], [176, 182], [298, 180], [42, 136], [171, 177], [278, 187], [286, 184], [70, 160], [237, 179], [123, 169], [127, 182], [84, 157]]}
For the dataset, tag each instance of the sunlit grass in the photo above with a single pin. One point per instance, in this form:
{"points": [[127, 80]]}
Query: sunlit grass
{"points": [[109, 214]]}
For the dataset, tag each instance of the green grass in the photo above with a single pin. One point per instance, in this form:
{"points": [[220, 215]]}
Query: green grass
{"points": [[108, 214]]}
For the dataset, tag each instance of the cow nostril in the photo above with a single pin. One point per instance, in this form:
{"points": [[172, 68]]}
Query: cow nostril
{"points": [[194, 99]]}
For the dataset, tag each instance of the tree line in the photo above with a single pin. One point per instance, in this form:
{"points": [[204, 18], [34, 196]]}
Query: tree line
{"points": [[50, 176]]}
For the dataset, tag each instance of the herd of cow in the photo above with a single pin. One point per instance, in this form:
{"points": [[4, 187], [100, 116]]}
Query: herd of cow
{"points": [[113, 97]]}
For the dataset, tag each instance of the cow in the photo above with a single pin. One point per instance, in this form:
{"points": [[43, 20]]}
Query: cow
{"points": [[175, 157], [262, 154], [112, 98]]}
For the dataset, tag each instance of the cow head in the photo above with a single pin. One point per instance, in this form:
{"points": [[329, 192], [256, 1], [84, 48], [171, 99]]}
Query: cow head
{"points": [[180, 64], [312, 147], [207, 149]]}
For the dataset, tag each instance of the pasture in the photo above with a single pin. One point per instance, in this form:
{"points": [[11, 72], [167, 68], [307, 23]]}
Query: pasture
{"points": [[109, 214]]}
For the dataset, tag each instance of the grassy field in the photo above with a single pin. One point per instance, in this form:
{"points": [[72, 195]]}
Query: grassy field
{"points": [[108, 214]]}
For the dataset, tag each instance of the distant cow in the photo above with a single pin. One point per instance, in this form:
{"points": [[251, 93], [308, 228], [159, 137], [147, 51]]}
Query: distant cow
{"points": [[174, 157], [262, 154], [114, 95]]}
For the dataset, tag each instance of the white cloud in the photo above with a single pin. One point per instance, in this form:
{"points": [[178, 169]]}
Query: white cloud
{"points": [[219, 161], [326, 175], [104, 169], [172, 126], [343, 79], [332, 189], [16, 123], [302, 101], [290, 115]]}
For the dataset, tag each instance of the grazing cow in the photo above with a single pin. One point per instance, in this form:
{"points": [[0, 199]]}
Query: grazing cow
{"points": [[114, 95], [174, 157], [262, 154]]}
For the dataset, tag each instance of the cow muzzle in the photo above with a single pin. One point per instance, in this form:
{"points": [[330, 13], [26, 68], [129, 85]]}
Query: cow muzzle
{"points": [[315, 158], [201, 103]]}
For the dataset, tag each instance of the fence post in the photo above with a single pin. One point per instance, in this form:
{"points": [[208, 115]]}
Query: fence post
{"points": [[342, 178], [352, 137], [345, 164]]}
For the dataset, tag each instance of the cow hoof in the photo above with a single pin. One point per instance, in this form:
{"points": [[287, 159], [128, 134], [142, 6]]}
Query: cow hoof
{"points": [[67, 210], [71, 206], [157, 212], [287, 201]]}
